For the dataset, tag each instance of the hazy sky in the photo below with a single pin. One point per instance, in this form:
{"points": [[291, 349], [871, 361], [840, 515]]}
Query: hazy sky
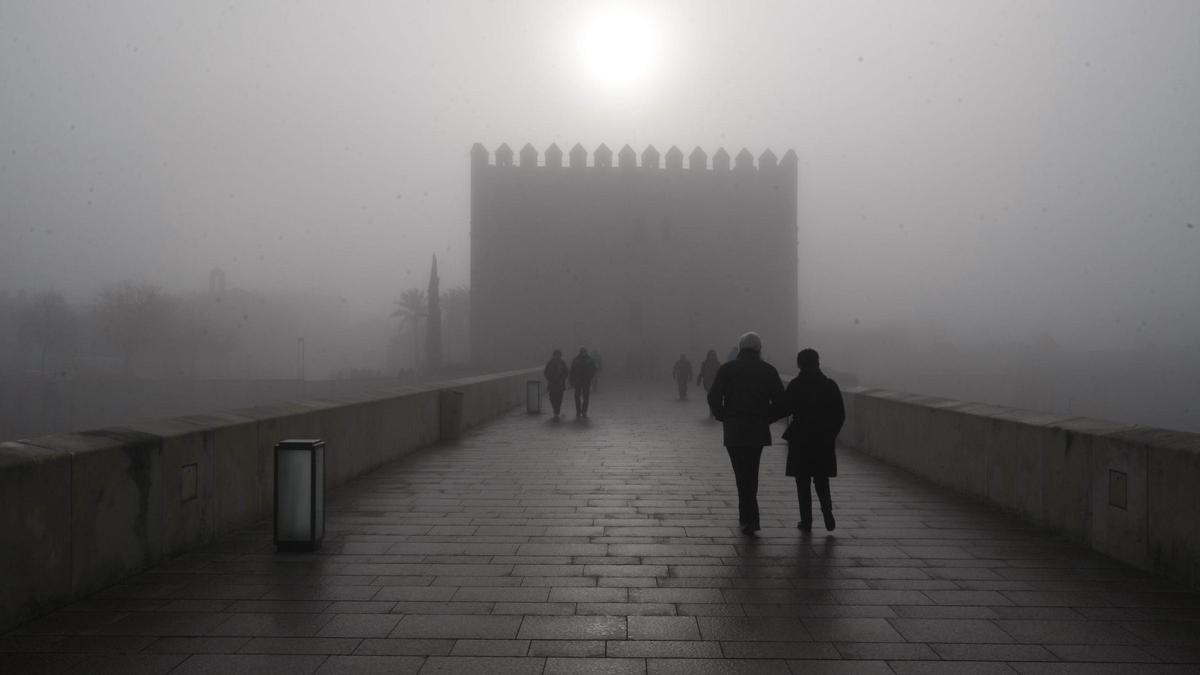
{"points": [[995, 168]]}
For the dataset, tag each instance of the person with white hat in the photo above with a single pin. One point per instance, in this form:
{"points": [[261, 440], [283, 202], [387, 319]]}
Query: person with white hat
{"points": [[745, 398]]}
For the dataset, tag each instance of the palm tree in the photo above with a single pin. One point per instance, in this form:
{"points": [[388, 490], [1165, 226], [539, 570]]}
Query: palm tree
{"points": [[411, 308]]}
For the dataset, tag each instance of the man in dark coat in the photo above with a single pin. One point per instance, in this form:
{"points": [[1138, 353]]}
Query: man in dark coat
{"points": [[682, 372], [582, 371], [556, 380], [815, 403], [745, 398]]}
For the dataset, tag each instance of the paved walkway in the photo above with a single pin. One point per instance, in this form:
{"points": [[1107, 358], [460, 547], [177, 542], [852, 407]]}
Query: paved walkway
{"points": [[610, 545]]}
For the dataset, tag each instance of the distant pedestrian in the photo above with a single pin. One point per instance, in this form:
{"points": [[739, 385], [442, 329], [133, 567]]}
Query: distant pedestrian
{"points": [[708, 370], [599, 366], [580, 376], [815, 403], [746, 397], [682, 372], [733, 352], [556, 380]]}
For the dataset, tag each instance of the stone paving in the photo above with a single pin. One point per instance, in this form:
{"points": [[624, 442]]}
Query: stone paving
{"points": [[611, 546]]}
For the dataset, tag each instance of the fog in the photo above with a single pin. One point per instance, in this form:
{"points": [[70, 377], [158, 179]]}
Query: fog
{"points": [[998, 201]]}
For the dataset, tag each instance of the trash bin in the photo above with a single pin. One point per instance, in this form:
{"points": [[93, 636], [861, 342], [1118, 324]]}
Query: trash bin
{"points": [[299, 494]]}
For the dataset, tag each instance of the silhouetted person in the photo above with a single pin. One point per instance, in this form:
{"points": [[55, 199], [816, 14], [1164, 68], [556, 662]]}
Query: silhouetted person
{"points": [[582, 372], [599, 366], [708, 370], [556, 380], [746, 397], [682, 372], [815, 403]]}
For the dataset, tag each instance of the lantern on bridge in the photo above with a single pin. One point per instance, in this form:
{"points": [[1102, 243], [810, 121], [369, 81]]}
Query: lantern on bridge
{"points": [[299, 494]]}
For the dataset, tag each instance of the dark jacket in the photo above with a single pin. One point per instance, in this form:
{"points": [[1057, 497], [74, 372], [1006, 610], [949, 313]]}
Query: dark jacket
{"points": [[582, 370], [746, 396], [556, 374], [708, 372], [682, 370], [815, 404]]}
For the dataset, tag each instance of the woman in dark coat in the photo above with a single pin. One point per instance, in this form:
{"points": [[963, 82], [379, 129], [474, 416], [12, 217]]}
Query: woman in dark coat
{"points": [[815, 403], [708, 370]]}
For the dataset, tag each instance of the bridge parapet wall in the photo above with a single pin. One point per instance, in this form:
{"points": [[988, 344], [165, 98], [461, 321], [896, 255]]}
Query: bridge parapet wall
{"points": [[81, 511], [1127, 491]]}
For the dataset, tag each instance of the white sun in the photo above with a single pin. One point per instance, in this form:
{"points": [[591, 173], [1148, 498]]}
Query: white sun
{"points": [[619, 46]]}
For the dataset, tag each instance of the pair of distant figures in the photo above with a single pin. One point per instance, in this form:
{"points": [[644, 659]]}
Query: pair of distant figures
{"points": [[747, 395], [681, 372], [580, 375]]}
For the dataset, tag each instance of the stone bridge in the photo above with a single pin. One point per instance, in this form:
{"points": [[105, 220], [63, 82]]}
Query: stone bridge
{"points": [[611, 545]]}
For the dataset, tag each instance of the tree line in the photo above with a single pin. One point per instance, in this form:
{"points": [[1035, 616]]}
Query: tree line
{"points": [[138, 329]]}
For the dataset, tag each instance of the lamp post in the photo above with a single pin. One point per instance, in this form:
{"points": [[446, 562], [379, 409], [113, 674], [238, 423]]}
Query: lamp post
{"points": [[299, 494]]}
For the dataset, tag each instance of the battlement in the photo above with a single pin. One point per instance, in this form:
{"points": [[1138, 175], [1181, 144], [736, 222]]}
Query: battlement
{"points": [[627, 159]]}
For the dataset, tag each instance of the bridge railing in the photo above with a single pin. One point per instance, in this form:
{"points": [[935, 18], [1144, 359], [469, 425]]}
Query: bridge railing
{"points": [[80, 511], [1130, 492]]}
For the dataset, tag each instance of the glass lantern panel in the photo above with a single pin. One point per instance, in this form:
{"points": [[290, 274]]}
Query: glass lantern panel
{"points": [[320, 493], [295, 494]]}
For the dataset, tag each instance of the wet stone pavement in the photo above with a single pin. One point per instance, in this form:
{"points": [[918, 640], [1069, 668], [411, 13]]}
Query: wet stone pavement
{"points": [[611, 546]]}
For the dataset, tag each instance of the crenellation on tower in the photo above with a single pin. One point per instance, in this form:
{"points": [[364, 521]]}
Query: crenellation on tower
{"points": [[504, 155], [650, 157], [578, 157], [479, 156], [767, 161], [721, 161], [674, 158], [602, 157], [627, 158], [529, 157], [554, 157], [744, 161]]}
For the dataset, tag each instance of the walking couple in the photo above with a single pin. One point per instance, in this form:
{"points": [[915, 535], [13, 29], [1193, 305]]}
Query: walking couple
{"points": [[747, 396], [581, 376]]}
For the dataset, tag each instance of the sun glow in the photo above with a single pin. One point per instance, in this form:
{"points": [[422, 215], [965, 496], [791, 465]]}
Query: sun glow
{"points": [[620, 46]]}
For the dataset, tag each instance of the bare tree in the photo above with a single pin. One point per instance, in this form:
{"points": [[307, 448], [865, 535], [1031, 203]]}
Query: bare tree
{"points": [[411, 309], [47, 322], [133, 317], [198, 333]]}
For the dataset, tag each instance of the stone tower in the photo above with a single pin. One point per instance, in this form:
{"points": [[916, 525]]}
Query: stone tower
{"points": [[642, 262]]}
